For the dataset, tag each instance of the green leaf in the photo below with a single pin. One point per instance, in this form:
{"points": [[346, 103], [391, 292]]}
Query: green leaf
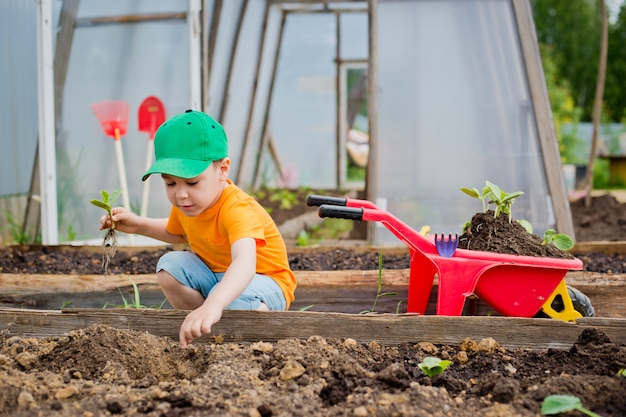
{"points": [[100, 204], [114, 196], [548, 236], [563, 241], [495, 190], [526, 225], [555, 404], [432, 366], [512, 196], [105, 196], [472, 193]]}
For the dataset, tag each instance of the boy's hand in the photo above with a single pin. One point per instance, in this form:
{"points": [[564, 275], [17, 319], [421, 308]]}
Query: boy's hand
{"points": [[125, 221], [198, 322]]}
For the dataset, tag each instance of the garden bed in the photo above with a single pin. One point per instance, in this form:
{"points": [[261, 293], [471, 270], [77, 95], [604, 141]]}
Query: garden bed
{"points": [[98, 362]]}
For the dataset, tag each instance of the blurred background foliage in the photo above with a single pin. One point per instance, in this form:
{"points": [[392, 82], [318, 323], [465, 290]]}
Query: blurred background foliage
{"points": [[569, 34]]}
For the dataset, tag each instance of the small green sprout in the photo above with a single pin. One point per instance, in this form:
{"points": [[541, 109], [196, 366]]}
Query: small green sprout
{"points": [[480, 195], [502, 200], [380, 285], [303, 239], [107, 202], [492, 194], [556, 404], [622, 372], [109, 245], [433, 366], [560, 240], [136, 302]]}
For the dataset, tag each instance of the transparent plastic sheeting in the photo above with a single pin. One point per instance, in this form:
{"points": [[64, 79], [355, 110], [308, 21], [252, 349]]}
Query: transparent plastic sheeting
{"points": [[454, 111]]}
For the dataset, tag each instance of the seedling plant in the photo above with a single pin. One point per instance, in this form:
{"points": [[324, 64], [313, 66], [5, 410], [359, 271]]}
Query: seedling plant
{"points": [[379, 288], [109, 244], [492, 194], [432, 366], [136, 301], [557, 404]]}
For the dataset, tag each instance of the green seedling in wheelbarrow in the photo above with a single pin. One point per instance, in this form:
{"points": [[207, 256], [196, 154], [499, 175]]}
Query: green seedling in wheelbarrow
{"points": [[492, 194], [109, 244]]}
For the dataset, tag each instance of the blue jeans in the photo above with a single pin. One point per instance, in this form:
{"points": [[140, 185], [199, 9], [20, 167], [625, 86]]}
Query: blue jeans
{"points": [[192, 272]]}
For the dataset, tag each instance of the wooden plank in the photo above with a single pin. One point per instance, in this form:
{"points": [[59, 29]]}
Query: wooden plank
{"points": [[251, 326], [606, 247], [34, 283], [328, 291], [24, 284], [132, 18]]}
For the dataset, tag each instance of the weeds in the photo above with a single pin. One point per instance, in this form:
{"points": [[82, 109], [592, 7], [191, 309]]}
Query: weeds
{"points": [[17, 232], [380, 286], [136, 301]]}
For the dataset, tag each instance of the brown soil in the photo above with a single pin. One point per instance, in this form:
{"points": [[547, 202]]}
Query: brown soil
{"points": [[604, 220], [498, 234], [103, 371]]}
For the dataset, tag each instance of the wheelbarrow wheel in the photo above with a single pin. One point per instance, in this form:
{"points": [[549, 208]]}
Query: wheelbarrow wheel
{"points": [[580, 302]]}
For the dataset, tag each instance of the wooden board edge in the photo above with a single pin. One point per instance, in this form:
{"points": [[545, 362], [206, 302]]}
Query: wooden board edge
{"points": [[252, 326]]}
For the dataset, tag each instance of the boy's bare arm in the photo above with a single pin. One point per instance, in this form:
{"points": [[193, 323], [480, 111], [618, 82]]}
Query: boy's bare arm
{"points": [[128, 222], [235, 280]]}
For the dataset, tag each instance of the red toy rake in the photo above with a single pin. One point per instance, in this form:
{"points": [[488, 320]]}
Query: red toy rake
{"points": [[151, 114], [113, 117]]}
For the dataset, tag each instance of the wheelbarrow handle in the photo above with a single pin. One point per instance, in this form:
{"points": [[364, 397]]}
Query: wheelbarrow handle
{"points": [[318, 200], [337, 212]]}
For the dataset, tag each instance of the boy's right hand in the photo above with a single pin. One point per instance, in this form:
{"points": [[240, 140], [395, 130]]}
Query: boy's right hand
{"points": [[125, 220]]}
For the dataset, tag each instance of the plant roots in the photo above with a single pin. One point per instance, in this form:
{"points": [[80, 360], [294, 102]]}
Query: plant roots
{"points": [[109, 248]]}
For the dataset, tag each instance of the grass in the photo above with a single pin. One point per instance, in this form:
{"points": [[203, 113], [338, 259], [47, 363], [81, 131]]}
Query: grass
{"points": [[136, 300], [379, 287]]}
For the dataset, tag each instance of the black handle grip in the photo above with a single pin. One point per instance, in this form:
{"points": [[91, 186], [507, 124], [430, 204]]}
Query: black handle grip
{"points": [[337, 212], [318, 200]]}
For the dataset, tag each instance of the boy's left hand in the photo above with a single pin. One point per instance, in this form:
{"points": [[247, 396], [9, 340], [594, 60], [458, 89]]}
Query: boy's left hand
{"points": [[198, 322]]}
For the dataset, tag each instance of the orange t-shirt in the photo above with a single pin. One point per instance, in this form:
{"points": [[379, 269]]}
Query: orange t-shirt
{"points": [[236, 215]]}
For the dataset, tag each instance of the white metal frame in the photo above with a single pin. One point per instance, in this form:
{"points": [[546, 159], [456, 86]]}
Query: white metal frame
{"points": [[194, 24], [47, 149]]}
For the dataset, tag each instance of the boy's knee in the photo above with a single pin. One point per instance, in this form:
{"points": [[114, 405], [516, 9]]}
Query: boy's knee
{"points": [[166, 280]]}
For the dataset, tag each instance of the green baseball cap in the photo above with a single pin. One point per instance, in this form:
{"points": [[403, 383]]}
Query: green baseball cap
{"points": [[186, 144]]}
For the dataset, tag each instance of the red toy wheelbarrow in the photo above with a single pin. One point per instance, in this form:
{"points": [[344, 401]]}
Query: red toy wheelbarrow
{"points": [[513, 285]]}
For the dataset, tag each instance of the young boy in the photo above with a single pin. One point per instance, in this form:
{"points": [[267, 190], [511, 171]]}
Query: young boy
{"points": [[238, 259]]}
